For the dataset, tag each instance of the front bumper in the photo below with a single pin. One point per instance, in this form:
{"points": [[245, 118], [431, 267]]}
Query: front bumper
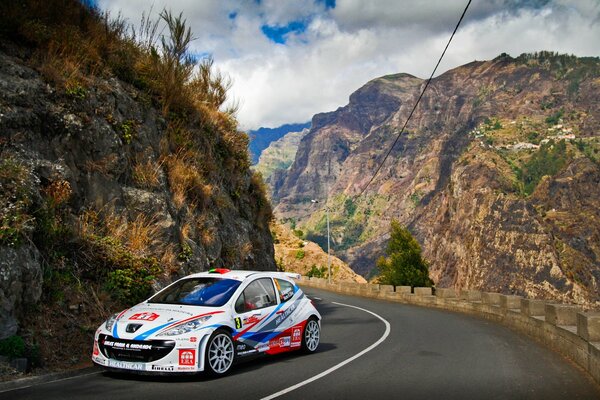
{"points": [[159, 356]]}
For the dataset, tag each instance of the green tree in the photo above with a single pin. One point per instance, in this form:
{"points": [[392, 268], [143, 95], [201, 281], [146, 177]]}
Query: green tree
{"points": [[404, 264]]}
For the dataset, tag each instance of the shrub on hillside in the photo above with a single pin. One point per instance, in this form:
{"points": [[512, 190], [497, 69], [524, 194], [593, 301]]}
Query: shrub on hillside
{"points": [[404, 265]]}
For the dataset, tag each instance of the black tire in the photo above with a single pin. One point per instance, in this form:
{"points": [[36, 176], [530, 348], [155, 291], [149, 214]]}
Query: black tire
{"points": [[220, 353], [311, 335]]}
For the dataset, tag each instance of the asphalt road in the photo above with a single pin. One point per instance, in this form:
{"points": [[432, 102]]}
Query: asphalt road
{"points": [[428, 354]]}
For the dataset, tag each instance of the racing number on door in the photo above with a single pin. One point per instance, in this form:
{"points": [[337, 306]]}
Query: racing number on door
{"points": [[238, 323]]}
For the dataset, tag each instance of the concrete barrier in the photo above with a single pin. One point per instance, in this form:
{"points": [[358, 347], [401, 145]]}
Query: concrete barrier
{"points": [[510, 302], [492, 299], [588, 326], [533, 308], [404, 289], [470, 295], [446, 293], [561, 314], [574, 334], [423, 291]]}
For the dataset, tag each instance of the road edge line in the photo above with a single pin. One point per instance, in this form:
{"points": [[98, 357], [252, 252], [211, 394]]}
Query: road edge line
{"points": [[341, 364]]}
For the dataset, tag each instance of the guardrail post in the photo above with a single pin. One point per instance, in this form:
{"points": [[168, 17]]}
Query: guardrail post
{"points": [[533, 308], [423, 291], [403, 289], [510, 302], [588, 326], [490, 298], [561, 314]]}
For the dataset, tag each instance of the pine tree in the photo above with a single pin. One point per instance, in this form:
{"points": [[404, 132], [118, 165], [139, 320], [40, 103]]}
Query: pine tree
{"points": [[404, 264]]}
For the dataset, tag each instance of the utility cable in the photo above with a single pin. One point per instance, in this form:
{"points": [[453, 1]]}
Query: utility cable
{"points": [[416, 104]]}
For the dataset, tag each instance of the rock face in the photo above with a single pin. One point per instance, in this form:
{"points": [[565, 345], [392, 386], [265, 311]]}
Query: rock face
{"points": [[496, 174], [262, 138], [90, 180], [276, 159]]}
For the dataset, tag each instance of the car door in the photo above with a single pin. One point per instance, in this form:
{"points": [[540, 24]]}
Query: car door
{"points": [[253, 307]]}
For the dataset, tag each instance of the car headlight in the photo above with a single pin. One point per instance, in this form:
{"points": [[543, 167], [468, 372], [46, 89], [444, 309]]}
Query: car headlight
{"points": [[186, 327], [110, 321]]}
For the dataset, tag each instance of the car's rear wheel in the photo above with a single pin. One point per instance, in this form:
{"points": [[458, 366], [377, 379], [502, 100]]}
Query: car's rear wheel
{"points": [[219, 353], [311, 335]]}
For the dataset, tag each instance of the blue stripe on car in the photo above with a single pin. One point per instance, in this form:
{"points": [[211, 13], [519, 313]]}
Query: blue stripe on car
{"points": [[151, 331], [115, 333]]}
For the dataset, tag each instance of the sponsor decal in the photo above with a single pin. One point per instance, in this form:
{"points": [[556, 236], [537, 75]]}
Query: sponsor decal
{"points": [[241, 347], [297, 334], [162, 368], [187, 356], [285, 314], [281, 342], [145, 316], [247, 352], [238, 323], [262, 348], [99, 360], [126, 365], [287, 294], [253, 319], [296, 344], [186, 368], [96, 350], [128, 346], [193, 339]]}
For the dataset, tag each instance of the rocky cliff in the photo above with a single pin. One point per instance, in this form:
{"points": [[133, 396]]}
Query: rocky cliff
{"points": [[496, 174], [109, 188], [278, 157]]}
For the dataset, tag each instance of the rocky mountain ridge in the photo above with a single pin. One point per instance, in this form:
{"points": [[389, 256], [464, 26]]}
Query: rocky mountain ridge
{"points": [[278, 157], [262, 138], [496, 175]]}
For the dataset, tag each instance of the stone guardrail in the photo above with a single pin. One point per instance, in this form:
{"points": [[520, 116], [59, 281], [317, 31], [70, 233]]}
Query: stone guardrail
{"points": [[565, 328]]}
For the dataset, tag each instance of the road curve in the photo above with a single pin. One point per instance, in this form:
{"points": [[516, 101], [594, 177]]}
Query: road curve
{"points": [[428, 354]]}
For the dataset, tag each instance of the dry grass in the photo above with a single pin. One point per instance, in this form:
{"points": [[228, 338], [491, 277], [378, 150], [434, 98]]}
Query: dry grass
{"points": [[168, 260], [246, 250], [185, 181], [139, 235], [146, 174], [58, 192]]}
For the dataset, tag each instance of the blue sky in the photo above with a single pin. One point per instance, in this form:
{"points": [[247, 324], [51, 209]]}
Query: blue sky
{"points": [[290, 59]]}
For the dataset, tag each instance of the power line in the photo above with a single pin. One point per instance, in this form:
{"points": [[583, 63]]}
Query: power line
{"points": [[416, 104]]}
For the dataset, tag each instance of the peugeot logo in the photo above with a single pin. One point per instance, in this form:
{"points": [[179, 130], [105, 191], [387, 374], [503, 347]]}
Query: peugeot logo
{"points": [[131, 328]]}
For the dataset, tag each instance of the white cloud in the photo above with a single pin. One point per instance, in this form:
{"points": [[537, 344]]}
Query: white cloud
{"points": [[341, 49]]}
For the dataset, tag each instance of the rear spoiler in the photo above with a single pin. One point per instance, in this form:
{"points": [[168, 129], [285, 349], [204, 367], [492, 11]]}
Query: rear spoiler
{"points": [[292, 275]]}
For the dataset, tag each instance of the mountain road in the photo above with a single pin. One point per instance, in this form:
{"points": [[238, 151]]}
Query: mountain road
{"points": [[369, 348]]}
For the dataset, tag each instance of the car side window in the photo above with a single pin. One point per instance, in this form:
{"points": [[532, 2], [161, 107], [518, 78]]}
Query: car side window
{"points": [[258, 294], [286, 289]]}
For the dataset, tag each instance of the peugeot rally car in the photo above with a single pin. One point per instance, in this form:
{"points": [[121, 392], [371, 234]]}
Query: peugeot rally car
{"points": [[206, 321]]}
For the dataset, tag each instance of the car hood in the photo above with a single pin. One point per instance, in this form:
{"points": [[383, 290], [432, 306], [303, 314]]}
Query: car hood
{"points": [[145, 320]]}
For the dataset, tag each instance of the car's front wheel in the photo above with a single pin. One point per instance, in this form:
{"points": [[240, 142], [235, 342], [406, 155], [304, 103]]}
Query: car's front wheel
{"points": [[311, 336], [219, 353]]}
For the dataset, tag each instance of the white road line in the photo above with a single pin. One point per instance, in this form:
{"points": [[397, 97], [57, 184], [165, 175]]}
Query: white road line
{"points": [[340, 365], [53, 381]]}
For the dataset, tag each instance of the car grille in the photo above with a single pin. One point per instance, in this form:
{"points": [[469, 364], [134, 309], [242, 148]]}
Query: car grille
{"points": [[134, 350]]}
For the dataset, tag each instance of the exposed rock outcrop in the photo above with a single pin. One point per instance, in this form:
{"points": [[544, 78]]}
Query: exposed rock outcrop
{"points": [[97, 163], [495, 174]]}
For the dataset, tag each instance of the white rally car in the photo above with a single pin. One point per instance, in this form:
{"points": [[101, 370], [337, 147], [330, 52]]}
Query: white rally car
{"points": [[206, 321]]}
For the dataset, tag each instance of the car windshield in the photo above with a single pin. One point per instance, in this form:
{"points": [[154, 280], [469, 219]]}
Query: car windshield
{"points": [[211, 292]]}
